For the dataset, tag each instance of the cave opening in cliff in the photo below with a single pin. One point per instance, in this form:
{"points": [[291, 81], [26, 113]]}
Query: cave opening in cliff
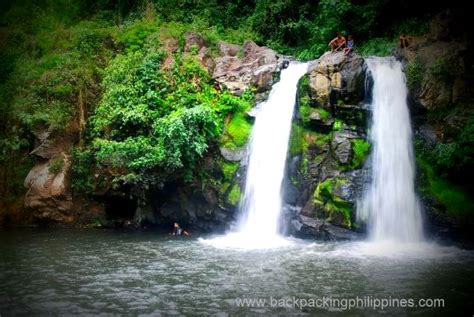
{"points": [[119, 207]]}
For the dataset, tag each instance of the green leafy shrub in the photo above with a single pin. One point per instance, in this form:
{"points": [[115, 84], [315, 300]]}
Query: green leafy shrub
{"points": [[377, 47], [136, 34], [81, 169], [154, 124], [415, 73]]}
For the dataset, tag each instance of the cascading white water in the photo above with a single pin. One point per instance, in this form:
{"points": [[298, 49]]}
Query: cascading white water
{"points": [[390, 202], [267, 150], [267, 156]]}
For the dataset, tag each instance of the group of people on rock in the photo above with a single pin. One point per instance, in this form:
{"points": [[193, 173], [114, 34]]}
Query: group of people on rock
{"points": [[346, 45], [341, 43]]}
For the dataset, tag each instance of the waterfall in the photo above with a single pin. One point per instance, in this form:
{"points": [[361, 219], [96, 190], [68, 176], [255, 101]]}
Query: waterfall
{"points": [[267, 156], [267, 152], [390, 202]]}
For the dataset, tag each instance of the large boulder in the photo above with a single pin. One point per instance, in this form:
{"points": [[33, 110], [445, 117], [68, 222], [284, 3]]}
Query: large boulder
{"points": [[48, 192], [256, 67], [336, 76], [316, 228], [206, 60], [328, 148], [51, 144], [233, 155], [193, 40], [227, 49], [49, 196]]}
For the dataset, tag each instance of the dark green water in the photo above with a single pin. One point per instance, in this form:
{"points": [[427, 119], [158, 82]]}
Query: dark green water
{"points": [[64, 272]]}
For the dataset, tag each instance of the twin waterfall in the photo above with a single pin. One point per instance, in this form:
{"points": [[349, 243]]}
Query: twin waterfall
{"points": [[389, 205], [390, 201], [268, 149]]}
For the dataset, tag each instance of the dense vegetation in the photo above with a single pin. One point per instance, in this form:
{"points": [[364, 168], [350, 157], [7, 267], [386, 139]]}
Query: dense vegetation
{"points": [[102, 68]]}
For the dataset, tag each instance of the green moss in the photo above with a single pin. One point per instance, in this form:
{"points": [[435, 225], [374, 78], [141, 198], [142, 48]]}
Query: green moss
{"points": [[303, 85], [304, 109], [324, 189], [335, 206], [456, 200], [322, 138], [229, 169], [304, 100], [223, 187], [237, 132], [304, 165], [340, 209], [56, 165], [360, 150], [234, 195], [298, 143], [338, 125], [323, 113]]}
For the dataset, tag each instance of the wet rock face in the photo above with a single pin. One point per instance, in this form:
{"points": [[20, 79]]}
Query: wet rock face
{"points": [[209, 204], [309, 227], [256, 67], [328, 149]]}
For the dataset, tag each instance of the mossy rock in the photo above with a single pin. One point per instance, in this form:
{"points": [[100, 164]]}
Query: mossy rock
{"points": [[236, 132], [298, 142], [303, 86], [337, 209], [228, 169], [233, 198], [355, 115], [454, 203], [360, 151]]}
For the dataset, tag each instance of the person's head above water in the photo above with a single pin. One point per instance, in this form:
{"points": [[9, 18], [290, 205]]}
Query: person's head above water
{"points": [[176, 225]]}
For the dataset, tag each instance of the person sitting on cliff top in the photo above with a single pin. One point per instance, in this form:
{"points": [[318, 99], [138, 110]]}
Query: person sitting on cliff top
{"points": [[178, 231], [349, 46], [337, 43], [404, 41]]}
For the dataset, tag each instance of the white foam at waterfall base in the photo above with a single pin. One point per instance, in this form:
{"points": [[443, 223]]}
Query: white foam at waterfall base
{"points": [[390, 203], [268, 146]]}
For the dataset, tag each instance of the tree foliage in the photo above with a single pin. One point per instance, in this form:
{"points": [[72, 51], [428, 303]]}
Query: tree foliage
{"points": [[155, 121]]}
